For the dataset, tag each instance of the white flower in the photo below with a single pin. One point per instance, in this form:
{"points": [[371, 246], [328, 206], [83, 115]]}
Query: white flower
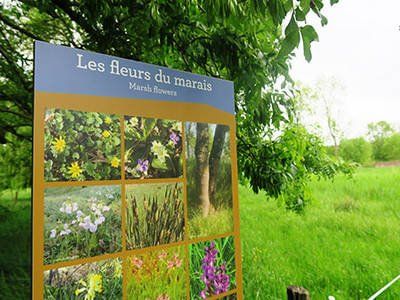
{"points": [[73, 222], [79, 214], [69, 208], [106, 208], [99, 220], [66, 230], [86, 223], [53, 233], [92, 227]]}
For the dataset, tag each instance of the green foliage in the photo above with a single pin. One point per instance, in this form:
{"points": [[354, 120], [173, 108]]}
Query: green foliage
{"points": [[153, 148], [244, 41], [377, 133], [15, 164], [154, 215], [290, 160], [100, 280], [356, 150], [345, 244], [81, 145], [157, 275], [16, 242], [81, 222], [391, 147]]}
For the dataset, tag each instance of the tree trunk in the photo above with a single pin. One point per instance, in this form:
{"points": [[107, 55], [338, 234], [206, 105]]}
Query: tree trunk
{"points": [[215, 158], [16, 196], [202, 167]]}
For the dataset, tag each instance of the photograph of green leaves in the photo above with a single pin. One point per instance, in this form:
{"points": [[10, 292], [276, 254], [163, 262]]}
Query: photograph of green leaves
{"points": [[153, 148], [81, 146]]}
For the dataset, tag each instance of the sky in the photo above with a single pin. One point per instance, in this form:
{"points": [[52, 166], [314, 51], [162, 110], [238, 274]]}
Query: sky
{"points": [[360, 48]]}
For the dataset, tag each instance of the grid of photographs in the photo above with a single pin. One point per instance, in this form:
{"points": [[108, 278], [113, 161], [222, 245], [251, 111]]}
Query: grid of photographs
{"points": [[137, 208]]}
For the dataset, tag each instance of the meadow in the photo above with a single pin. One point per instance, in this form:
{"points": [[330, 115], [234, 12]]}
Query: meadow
{"points": [[346, 244]]}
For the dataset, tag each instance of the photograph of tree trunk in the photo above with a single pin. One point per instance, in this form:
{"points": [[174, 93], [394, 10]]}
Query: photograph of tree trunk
{"points": [[209, 179]]}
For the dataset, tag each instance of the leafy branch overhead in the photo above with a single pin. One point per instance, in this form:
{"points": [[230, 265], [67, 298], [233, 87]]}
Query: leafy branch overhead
{"points": [[247, 42]]}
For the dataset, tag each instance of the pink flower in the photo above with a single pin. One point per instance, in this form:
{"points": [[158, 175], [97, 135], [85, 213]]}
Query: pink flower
{"points": [[137, 262], [162, 255], [163, 297]]}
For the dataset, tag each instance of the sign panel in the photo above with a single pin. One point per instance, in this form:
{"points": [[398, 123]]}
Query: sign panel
{"points": [[135, 181]]}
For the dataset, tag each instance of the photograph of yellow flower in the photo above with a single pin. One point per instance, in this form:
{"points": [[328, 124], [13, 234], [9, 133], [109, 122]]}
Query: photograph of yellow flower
{"points": [[100, 280], [81, 146], [153, 148]]}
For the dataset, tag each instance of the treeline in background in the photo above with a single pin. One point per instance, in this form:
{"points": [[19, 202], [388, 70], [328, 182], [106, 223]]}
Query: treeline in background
{"points": [[379, 147]]}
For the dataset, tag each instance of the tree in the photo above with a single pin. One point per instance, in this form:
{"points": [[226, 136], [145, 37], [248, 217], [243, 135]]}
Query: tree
{"points": [[202, 166], [391, 147], [356, 150], [245, 41], [377, 133], [215, 157], [15, 170]]}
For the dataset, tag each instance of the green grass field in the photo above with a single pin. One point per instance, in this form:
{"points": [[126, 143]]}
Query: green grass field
{"points": [[346, 244]]}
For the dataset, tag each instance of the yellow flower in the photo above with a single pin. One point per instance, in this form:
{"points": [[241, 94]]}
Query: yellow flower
{"points": [[134, 121], [115, 162], [75, 170], [95, 285], [107, 120], [106, 133], [59, 144]]}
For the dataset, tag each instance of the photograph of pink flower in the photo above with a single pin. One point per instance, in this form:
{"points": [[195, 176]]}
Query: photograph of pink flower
{"points": [[157, 275]]}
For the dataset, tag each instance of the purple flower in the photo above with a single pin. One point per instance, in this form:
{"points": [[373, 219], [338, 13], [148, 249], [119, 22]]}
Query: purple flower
{"points": [[142, 165], [214, 277], [174, 138]]}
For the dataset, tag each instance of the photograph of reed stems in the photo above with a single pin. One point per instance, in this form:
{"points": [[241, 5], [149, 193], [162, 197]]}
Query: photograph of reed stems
{"points": [[154, 214]]}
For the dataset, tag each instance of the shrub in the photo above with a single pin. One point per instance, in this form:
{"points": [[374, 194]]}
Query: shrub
{"points": [[356, 150]]}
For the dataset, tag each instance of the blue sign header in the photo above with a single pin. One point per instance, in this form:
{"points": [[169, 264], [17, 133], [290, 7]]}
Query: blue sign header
{"points": [[60, 69]]}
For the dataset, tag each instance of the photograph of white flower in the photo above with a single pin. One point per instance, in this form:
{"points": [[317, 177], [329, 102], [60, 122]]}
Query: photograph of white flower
{"points": [[81, 222]]}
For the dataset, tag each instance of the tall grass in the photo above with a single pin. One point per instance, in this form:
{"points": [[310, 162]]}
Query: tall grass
{"points": [[154, 215], [346, 244]]}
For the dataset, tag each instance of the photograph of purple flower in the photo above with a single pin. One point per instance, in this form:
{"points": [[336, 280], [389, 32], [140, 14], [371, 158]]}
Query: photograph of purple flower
{"points": [[212, 268], [153, 148]]}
